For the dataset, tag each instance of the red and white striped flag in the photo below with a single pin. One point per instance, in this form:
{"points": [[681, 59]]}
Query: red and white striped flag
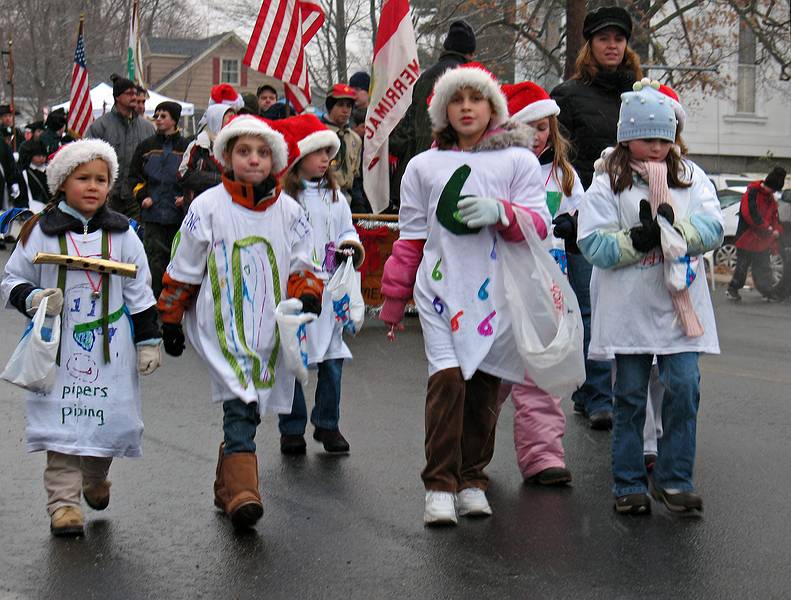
{"points": [[395, 71], [80, 106], [277, 45]]}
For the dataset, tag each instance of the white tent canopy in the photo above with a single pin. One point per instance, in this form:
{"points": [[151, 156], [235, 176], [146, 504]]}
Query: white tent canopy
{"points": [[102, 100]]}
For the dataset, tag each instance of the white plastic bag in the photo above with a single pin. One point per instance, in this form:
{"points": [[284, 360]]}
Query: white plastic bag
{"points": [[291, 323], [545, 315], [32, 365], [347, 299], [680, 269]]}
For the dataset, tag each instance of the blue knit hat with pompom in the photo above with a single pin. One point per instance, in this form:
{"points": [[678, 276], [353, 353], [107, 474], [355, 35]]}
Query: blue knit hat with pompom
{"points": [[646, 113]]}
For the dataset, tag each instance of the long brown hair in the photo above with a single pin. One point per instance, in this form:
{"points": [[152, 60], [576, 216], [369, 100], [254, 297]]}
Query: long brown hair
{"points": [[30, 224], [586, 67], [560, 160], [291, 182], [620, 171]]}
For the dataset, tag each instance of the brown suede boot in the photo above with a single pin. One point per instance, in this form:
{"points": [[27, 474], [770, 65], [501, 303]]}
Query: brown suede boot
{"points": [[97, 495], [240, 489], [219, 489], [67, 521]]}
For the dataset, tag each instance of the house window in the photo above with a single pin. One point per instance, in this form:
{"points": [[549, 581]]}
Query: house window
{"points": [[229, 71], [746, 70]]}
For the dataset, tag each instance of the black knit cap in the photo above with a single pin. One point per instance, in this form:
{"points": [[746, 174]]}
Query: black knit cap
{"points": [[170, 107], [36, 148], [121, 84], [607, 16], [360, 81], [776, 179], [55, 120], [460, 38]]}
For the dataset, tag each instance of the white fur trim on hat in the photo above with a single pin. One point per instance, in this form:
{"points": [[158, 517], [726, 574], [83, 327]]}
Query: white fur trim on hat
{"points": [[250, 125], [317, 141], [72, 155], [537, 110], [461, 77]]}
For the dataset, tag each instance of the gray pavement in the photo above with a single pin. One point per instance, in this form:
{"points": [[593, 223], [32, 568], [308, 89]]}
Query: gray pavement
{"points": [[350, 527]]}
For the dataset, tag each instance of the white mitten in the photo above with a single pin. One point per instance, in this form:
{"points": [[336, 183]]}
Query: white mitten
{"points": [[54, 301], [478, 212], [148, 359]]}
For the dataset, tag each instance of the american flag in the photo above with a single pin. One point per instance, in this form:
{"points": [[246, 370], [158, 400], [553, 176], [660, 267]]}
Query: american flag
{"points": [[80, 109], [277, 45]]}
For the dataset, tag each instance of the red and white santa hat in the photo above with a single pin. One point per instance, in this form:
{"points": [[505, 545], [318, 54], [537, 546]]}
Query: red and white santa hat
{"points": [[528, 102], [475, 76], [226, 94], [256, 126], [681, 114], [305, 134]]}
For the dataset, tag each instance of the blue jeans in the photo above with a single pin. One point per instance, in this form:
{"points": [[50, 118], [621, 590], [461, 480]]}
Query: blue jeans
{"points": [[239, 422], [327, 407], [680, 376], [595, 395]]}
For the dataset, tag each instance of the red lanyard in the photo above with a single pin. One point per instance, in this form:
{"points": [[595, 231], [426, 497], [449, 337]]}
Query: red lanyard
{"points": [[94, 288]]}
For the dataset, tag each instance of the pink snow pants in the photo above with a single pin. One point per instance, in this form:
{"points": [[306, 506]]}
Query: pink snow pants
{"points": [[539, 425]]}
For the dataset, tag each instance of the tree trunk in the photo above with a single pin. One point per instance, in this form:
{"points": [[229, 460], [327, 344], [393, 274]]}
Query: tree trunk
{"points": [[374, 25], [575, 16], [340, 38]]}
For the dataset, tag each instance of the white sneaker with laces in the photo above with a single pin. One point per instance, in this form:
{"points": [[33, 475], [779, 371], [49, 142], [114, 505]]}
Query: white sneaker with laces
{"points": [[440, 509], [472, 502]]}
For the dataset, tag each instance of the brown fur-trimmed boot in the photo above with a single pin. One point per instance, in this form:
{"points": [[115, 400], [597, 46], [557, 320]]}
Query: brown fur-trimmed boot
{"points": [[219, 489], [240, 489]]}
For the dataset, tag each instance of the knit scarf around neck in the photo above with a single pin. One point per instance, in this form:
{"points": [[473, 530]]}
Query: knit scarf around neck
{"points": [[655, 173]]}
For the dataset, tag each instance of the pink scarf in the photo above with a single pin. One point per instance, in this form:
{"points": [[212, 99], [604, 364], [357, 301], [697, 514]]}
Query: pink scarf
{"points": [[655, 173]]}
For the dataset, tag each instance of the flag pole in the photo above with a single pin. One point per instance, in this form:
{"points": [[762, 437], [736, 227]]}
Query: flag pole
{"points": [[80, 31], [11, 85]]}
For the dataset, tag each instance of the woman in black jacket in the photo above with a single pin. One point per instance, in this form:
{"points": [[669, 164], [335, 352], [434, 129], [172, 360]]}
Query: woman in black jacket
{"points": [[589, 105]]}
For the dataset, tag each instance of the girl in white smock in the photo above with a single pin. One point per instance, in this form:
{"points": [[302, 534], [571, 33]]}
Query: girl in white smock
{"points": [[636, 316], [308, 179], [457, 205], [109, 332]]}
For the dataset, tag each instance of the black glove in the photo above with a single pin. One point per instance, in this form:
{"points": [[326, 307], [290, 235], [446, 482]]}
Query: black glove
{"points": [[645, 236], [311, 304], [666, 211], [173, 338], [566, 230]]}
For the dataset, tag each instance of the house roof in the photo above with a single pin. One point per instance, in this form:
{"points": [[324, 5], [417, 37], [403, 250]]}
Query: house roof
{"points": [[180, 46], [193, 50]]}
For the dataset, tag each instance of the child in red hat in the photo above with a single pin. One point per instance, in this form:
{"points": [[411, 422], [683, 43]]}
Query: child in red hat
{"points": [[309, 179]]}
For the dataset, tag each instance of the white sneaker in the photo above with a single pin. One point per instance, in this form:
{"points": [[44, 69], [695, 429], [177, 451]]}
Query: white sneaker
{"points": [[440, 509], [472, 502]]}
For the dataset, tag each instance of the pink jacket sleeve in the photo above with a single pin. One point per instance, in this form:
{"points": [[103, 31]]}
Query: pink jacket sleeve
{"points": [[512, 233], [398, 278]]}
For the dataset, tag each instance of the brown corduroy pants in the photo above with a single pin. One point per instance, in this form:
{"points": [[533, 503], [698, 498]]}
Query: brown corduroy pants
{"points": [[461, 417]]}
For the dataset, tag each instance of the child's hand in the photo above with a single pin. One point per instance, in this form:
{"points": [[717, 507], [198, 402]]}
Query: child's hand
{"points": [[148, 359], [310, 304], [645, 236], [147, 203], [477, 212], [54, 301], [173, 338]]}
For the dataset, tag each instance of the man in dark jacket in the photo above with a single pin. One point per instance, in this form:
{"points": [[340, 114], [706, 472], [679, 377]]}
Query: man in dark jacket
{"points": [[153, 178], [757, 235], [413, 133], [123, 129]]}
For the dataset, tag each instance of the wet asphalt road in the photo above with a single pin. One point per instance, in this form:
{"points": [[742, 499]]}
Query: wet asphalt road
{"points": [[350, 527]]}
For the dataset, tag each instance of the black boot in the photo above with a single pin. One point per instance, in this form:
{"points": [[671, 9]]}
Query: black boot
{"points": [[292, 444], [332, 439]]}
